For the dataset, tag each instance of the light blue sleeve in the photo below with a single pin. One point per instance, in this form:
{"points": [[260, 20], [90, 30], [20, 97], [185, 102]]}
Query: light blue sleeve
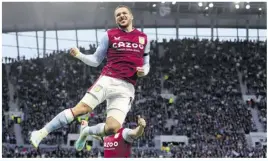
{"points": [[127, 137], [147, 47], [101, 52]]}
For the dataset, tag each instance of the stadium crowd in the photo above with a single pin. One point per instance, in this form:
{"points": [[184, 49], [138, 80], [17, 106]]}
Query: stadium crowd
{"points": [[202, 75], [8, 132]]}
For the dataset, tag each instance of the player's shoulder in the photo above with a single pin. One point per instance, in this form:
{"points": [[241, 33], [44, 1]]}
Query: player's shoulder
{"points": [[125, 130], [140, 32], [113, 30], [121, 130]]}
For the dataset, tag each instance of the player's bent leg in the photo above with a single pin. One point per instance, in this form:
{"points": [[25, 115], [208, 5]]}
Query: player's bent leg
{"points": [[103, 129], [111, 126], [81, 109], [61, 119], [87, 104], [81, 141], [85, 131], [114, 121], [117, 109]]}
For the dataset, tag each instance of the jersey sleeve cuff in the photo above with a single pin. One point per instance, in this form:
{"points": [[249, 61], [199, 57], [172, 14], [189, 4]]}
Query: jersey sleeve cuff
{"points": [[79, 56]]}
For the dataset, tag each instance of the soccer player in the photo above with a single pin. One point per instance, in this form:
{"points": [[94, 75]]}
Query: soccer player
{"points": [[119, 144], [127, 53]]}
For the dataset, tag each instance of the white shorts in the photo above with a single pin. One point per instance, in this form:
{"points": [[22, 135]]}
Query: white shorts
{"points": [[118, 93]]}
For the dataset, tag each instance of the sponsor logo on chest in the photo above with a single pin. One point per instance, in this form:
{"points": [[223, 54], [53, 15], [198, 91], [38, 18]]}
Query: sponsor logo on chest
{"points": [[127, 45], [110, 144], [120, 44]]}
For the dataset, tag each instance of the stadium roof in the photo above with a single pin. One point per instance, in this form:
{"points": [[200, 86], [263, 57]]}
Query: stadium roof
{"points": [[32, 16]]}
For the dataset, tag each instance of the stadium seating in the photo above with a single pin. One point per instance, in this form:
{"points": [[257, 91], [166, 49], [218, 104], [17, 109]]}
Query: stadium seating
{"points": [[201, 74]]}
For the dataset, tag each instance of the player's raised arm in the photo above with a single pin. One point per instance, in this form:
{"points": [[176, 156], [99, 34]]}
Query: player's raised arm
{"points": [[130, 134], [96, 58], [144, 70]]}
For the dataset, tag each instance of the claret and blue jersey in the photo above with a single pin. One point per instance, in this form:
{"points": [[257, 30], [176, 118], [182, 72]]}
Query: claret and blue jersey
{"points": [[125, 51]]}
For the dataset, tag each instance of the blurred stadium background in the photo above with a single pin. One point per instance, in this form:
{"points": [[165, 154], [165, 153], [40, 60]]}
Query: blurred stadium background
{"points": [[205, 95]]}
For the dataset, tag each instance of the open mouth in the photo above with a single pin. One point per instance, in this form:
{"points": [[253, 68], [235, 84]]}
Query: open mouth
{"points": [[123, 20]]}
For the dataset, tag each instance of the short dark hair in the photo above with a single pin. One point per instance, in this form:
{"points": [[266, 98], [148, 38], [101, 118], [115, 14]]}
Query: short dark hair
{"points": [[123, 6]]}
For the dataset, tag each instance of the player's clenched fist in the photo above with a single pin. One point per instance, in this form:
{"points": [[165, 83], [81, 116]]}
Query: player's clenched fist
{"points": [[74, 51], [141, 121]]}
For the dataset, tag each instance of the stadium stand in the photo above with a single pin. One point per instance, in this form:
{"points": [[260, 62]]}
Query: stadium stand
{"points": [[208, 109], [195, 89]]}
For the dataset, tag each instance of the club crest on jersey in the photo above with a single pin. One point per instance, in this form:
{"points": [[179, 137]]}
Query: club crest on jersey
{"points": [[141, 40], [97, 88]]}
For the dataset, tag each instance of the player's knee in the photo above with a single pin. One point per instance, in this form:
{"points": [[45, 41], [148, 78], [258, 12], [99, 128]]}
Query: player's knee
{"points": [[81, 108], [112, 126]]}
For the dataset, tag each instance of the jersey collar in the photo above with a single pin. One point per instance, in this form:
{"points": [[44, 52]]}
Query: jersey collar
{"points": [[133, 28]]}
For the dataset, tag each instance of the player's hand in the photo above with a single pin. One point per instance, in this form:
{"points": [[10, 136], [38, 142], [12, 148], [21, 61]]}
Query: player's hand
{"points": [[74, 51], [140, 72], [141, 122]]}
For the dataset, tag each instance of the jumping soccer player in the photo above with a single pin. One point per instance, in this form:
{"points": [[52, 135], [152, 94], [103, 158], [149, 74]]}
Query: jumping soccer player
{"points": [[127, 52], [119, 144]]}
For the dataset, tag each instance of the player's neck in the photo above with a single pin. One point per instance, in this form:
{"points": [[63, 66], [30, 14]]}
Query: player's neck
{"points": [[127, 29]]}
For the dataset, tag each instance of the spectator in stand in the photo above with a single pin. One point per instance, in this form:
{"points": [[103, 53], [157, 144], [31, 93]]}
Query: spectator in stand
{"points": [[203, 79]]}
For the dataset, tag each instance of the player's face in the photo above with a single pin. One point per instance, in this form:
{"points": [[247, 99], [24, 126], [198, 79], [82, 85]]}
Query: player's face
{"points": [[123, 17]]}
